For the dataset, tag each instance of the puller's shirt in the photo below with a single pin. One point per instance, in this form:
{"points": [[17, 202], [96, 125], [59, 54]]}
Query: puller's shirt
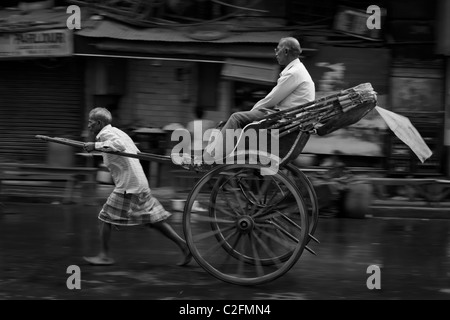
{"points": [[126, 172]]}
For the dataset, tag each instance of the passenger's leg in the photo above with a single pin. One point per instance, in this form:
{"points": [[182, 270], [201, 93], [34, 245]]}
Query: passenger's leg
{"points": [[237, 120]]}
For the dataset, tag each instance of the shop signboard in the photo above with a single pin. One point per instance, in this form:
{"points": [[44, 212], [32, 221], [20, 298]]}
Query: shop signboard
{"points": [[354, 22], [45, 43]]}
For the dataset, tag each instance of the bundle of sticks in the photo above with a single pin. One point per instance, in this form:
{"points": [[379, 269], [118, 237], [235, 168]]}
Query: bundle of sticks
{"points": [[324, 115]]}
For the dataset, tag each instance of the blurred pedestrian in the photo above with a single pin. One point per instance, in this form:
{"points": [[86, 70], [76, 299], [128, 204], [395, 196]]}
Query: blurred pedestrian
{"points": [[131, 203]]}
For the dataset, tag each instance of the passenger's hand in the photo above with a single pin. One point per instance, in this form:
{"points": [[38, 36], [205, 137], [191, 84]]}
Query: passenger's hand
{"points": [[268, 110], [89, 146]]}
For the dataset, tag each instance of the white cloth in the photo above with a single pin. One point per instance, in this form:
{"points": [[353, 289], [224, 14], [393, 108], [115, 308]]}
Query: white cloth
{"points": [[127, 173], [294, 87], [406, 132]]}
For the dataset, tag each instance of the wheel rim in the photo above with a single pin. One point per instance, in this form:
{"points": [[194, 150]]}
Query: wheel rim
{"points": [[308, 193], [249, 237]]}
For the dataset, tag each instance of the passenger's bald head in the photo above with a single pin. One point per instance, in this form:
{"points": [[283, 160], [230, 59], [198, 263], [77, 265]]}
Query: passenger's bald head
{"points": [[292, 45]]}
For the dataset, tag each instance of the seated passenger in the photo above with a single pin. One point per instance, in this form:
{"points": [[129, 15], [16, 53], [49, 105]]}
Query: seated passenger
{"points": [[294, 87]]}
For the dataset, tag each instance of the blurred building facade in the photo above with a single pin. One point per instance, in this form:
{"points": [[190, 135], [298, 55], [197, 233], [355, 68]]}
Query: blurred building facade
{"points": [[41, 85], [152, 62]]}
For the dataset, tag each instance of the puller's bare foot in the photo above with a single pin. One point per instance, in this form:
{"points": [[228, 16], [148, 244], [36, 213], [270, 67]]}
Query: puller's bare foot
{"points": [[186, 259]]}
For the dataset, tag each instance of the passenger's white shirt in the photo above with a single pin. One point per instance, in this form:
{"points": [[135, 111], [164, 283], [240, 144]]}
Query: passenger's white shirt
{"points": [[127, 173], [294, 87]]}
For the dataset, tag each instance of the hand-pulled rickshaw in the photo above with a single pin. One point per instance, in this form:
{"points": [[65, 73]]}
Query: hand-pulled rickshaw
{"points": [[256, 223]]}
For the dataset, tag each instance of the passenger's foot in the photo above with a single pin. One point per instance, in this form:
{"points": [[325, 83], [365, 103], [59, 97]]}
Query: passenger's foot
{"points": [[99, 261], [186, 259], [190, 162], [197, 207], [183, 160]]}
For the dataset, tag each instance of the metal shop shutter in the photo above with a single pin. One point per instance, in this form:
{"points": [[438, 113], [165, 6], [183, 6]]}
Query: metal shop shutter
{"points": [[38, 97]]}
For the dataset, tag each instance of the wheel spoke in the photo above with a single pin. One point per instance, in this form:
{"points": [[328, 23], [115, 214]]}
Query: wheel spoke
{"points": [[212, 219], [276, 214], [308, 193], [285, 232], [290, 221], [236, 197], [268, 250], [221, 210], [241, 261], [209, 234], [214, 248], [259, 268], [271, 207], [263, 190], [280, 241], [237, 210], [249, 195], [236, 192]]}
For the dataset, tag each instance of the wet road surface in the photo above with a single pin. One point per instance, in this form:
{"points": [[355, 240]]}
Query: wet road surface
{"points": [[38, 242]]}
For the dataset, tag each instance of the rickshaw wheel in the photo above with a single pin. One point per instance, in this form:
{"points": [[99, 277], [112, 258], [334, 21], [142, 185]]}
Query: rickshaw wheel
{"points": [[253, 227], [308, 193]]}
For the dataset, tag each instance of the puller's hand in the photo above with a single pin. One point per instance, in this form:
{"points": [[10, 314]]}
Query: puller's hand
{"points": [[89, 146]]}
